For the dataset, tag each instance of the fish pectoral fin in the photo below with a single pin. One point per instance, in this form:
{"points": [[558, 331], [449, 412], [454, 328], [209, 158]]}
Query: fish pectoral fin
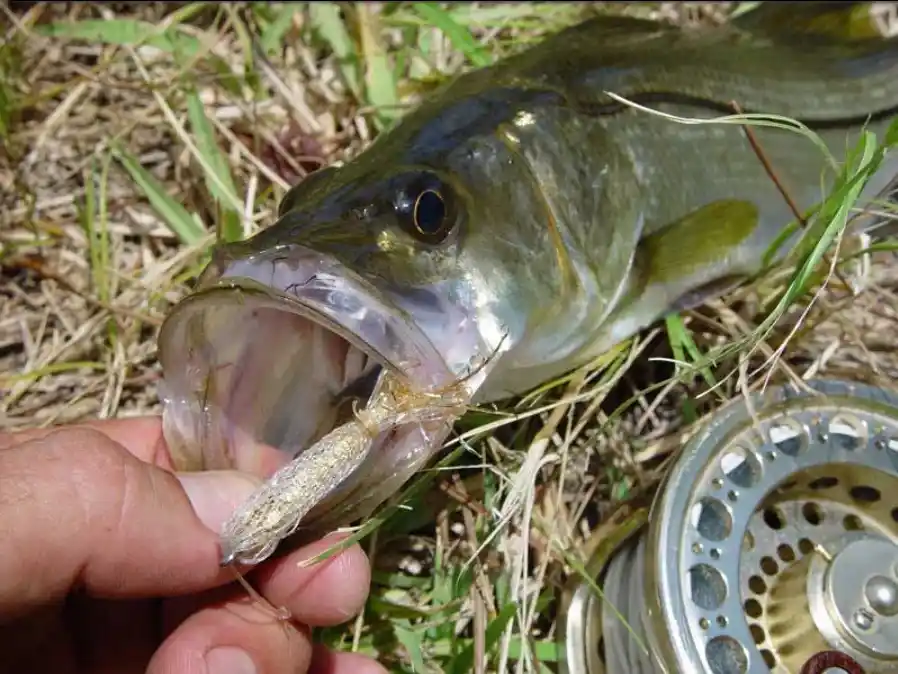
{"points": [[699, 248], [685, 263], [694, 258]]}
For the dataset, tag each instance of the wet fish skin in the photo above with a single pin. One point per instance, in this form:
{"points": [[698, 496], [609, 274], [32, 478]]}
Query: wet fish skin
{"points": [[557, 187], [576, 220]]}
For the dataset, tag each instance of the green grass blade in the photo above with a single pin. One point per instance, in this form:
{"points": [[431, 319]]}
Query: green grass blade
{"points": [[547, 15], [544, 651], [327, 22], [860, 163], [273, 34], [93, 217], [890, 140], [674, 336], [380, 82], [186, 13], [464, 661], [55, 368], [86, 216], [833, 217], [124, 32], [830, 219], [104, 259], [104, 262], [587, 578], [420, 66], [682, 343], [216, 170], [230, 225], [743, 8], [6, 109], [458, 35], [184, 225], [386, 609], [11, 74], [413, 642]]}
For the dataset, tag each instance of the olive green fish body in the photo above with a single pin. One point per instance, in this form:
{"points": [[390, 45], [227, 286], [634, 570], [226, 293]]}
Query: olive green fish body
{"points": [[521, 215], [657, 173], [562, 183]]}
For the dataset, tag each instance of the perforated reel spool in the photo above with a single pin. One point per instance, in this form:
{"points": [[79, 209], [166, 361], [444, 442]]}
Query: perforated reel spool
{"points": [[774, 538]]}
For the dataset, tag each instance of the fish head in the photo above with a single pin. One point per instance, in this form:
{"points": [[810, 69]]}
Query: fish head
{"points": [[405, 235], [362, 274]]}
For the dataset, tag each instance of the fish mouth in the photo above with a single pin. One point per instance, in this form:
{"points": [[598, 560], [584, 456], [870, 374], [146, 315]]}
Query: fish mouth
{"points": [[276, 349]]}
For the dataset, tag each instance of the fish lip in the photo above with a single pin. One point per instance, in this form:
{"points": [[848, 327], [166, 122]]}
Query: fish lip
{"points": [[291, 279], [410, 354]]}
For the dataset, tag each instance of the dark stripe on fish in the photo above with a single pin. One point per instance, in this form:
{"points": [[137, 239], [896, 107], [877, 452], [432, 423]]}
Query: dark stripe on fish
{"points": [[654, 97]]}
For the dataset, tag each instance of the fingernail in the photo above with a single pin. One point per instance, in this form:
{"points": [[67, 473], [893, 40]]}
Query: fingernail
{"points": [[229, 660], [214, 495]]}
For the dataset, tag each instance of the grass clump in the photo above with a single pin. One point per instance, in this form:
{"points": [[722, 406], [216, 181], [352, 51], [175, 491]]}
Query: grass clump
{"points": [[145, 132]]}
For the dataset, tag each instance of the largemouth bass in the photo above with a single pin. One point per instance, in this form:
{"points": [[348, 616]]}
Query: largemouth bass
{"points": [[517, 224]]}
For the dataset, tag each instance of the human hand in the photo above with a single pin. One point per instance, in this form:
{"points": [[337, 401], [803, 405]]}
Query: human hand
{"points": [[109, 563]]}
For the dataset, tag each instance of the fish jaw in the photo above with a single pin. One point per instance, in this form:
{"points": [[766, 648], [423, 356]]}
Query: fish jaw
{"points": [[254, 362]]}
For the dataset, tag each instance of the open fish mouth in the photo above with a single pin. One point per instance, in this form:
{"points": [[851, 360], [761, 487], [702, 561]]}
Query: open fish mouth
{"points": [[272, 352]]}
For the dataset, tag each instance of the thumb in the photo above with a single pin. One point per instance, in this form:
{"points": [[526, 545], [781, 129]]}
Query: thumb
{"points": [[214, 495], [78, 510]]}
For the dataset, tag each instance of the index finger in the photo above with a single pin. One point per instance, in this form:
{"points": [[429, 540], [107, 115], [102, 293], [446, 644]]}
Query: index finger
{"points": [[141, 436]]}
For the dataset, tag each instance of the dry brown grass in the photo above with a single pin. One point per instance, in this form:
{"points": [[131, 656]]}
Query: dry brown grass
{"points": [[79, 311]]}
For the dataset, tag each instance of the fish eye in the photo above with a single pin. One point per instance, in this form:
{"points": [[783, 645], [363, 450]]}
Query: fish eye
{"points": [[430, 212], [427, 212]]}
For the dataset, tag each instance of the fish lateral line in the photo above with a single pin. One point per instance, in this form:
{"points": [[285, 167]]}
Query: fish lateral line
{"points": [[614, 107]]}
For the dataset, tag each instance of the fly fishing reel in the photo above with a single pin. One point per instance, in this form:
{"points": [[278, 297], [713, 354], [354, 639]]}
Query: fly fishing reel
{"points": [[772, 546]]}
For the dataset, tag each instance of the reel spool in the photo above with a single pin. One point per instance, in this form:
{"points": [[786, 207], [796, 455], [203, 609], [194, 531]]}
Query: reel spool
{"points": [[772, 546]]}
